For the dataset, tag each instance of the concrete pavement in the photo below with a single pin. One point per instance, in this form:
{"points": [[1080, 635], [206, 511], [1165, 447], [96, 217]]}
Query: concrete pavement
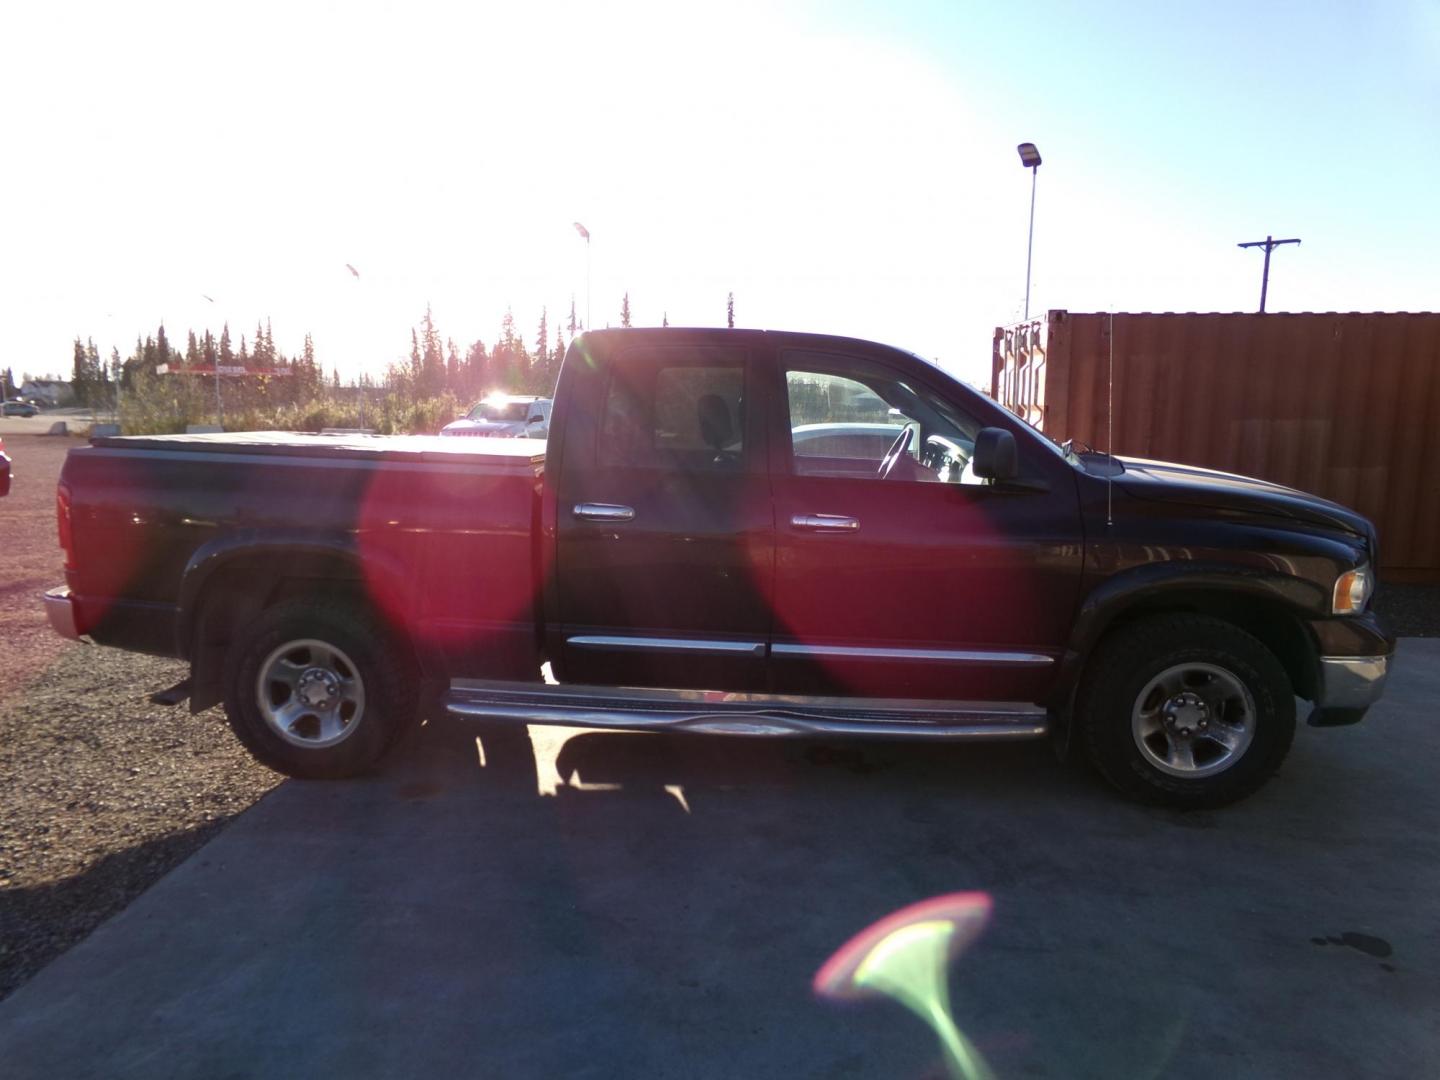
{"points": [[661, 914]]}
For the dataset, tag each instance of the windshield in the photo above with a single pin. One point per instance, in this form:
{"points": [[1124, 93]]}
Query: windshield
{"points": [[502, 410]]}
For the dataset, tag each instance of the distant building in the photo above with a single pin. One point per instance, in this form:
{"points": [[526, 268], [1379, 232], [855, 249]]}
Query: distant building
{"points": [[50, 392]]}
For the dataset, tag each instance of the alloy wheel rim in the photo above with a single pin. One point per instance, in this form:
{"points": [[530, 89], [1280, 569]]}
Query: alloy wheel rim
{"points": [[310, 693], [1193, 720]]}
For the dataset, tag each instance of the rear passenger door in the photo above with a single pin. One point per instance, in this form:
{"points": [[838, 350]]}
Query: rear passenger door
{"points": [[665, 533]]}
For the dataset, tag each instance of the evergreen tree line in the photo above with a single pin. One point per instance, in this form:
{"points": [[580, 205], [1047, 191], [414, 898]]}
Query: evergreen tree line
{"points": [[417, 393]]}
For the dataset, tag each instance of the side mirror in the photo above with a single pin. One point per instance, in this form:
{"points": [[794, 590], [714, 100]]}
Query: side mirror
{"points": [[995, 455]]}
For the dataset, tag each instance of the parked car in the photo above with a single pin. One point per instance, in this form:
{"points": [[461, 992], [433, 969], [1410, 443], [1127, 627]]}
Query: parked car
{"points": [[504, 416], [18, 408], [864, 444], [683, 561]]}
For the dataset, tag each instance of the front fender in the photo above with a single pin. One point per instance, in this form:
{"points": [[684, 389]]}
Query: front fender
{"points": [[1168, 584], [1244, 593]]}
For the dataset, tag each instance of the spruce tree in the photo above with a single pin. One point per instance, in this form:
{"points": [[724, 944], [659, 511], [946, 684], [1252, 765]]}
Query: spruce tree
{"points": [[95, 370], [476, 370], [308, 375], [730, 311], [79, 378], [432, 359], [625, 310], [570, 326], [542, 338]]}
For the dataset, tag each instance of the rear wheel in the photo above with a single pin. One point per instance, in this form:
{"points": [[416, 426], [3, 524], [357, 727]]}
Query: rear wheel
{"points": [[318, 689], [1186, 710]]}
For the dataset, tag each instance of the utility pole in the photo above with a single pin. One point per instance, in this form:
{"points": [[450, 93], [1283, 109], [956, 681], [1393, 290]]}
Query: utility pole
{"points": [[1269, 244]]}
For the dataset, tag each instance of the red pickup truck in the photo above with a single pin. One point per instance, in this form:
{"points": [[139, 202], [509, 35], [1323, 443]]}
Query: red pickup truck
{"points": [[732, 532]]}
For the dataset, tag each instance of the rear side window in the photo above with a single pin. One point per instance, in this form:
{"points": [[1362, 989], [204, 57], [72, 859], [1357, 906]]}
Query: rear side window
{"points": [[675, 408]]}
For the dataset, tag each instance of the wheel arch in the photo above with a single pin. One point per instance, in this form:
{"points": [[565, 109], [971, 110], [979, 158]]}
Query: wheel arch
{"points": [[1273, 608], [229, 583]]}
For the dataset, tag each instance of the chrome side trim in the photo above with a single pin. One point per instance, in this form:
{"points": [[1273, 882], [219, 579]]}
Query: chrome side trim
{"points": [[1352, 682], [688, 646], [61, 612], [949, 656], [717, 713]]}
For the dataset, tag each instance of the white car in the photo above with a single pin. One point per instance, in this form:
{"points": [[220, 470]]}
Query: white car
{"points": [[505, 416], [846, 440]]}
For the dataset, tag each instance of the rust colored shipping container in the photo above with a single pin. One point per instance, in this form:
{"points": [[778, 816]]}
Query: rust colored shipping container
{"points": [[1345, 405]]}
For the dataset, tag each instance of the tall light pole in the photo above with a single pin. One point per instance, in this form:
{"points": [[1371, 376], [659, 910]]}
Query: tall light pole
{"points": [[1030, 158], [583, 231], [1269, 244]]}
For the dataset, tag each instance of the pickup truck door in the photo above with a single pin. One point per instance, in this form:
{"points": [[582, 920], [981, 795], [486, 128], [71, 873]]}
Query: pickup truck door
{"points": [[665, 534], [929, 583]]}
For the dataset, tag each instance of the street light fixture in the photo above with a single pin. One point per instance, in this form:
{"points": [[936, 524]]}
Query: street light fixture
{"points": [[1030, 158], [583, 231]]}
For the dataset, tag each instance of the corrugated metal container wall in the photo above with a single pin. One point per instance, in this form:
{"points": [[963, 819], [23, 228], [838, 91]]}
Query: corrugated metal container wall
{"points": [[1343, 405]]}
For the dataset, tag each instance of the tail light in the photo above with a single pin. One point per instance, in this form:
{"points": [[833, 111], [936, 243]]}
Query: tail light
{"points": [[62, 521]]}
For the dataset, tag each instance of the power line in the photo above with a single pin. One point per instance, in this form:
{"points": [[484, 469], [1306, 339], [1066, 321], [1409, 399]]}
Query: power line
{"points": [[1269, 244]]}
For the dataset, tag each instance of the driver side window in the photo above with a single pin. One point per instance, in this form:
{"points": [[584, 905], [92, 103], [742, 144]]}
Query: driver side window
{"points": [[853, 418]]}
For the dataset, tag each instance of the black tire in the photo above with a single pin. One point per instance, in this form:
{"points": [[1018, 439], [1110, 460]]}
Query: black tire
{"points": [[1163, 711], [339, 648]]}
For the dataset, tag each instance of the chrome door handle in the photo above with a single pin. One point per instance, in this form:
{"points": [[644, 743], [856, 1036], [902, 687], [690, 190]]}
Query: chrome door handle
{"points": [[604, 512], [825, 522]]}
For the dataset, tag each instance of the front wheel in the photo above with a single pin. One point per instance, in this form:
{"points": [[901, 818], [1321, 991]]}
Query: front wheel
{"points": [[1186, 710], [318, 690]]}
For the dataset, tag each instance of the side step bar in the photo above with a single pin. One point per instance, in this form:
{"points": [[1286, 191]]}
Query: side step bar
{"points": [[716, 713]]}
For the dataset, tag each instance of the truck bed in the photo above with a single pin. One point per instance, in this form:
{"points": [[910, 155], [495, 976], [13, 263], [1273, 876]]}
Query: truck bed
{"points": [[439, 533], [520, 453]]}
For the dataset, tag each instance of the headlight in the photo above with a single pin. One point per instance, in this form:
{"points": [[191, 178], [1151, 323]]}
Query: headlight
{"points": [[1352, 591]]}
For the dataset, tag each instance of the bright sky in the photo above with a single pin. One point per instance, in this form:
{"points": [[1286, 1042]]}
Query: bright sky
{"points": [[842, 167]]}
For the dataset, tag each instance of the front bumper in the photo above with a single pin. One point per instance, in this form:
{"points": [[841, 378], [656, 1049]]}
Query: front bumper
{"points": [[1348, 686], [61, 612]]}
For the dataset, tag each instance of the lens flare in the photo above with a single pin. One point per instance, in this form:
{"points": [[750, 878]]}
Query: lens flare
{"points": [[905, 956]]}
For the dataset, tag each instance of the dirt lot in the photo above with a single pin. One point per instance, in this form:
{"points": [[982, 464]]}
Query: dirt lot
{"points": [[103, 792]]}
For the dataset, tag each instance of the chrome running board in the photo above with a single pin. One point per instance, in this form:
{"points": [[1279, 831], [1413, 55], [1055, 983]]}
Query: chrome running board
{"points": [[718, 713]]}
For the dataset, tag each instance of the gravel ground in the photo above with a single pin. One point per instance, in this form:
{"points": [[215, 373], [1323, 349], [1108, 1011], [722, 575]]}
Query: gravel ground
{"points": [[1409, 610], [102, 792]]}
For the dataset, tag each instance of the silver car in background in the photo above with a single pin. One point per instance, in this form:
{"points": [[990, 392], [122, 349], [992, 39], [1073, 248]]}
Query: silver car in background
{"points": [[505, 416]]}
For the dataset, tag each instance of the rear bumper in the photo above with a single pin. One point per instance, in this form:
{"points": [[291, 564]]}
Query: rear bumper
{"points": [[61, 612]]}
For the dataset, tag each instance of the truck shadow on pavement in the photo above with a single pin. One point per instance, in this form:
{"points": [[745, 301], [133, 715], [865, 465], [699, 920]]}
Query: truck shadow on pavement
{"points": [[39, 922], [686, 772]]}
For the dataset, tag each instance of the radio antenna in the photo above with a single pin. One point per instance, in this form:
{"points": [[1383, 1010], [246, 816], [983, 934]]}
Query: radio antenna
{"points": [[1110, 433]]}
